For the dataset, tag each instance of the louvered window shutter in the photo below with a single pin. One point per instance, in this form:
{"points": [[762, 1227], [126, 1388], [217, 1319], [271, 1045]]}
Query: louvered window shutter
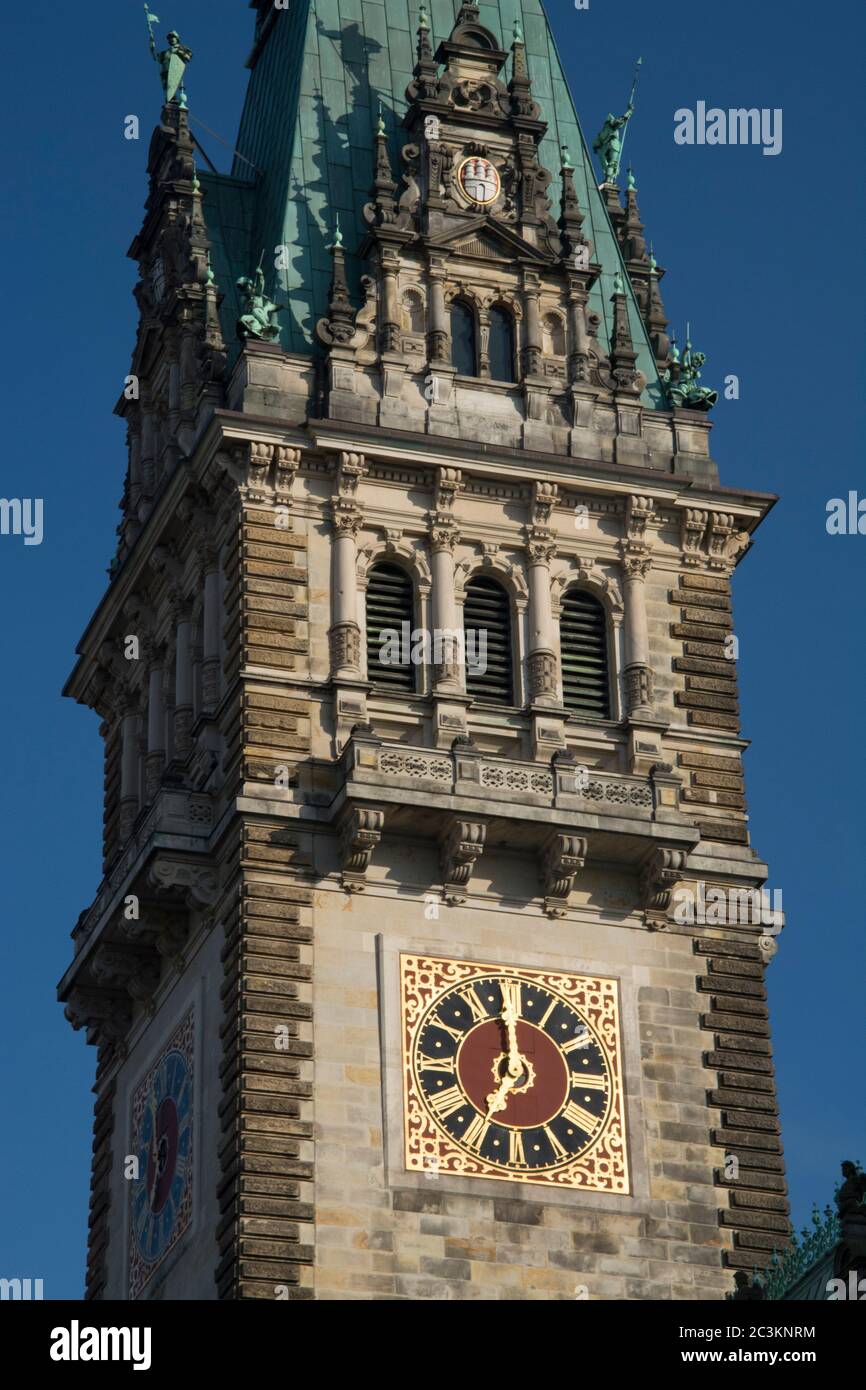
{"points": [[585, 681], [487, 612], [389, 606]]}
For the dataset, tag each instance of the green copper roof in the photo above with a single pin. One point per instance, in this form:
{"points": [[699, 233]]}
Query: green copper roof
{"points": [[308, 125]]}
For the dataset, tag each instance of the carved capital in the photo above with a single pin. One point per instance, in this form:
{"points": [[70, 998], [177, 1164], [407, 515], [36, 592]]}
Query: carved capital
{"points": [[636, 561], [345, 518], [444, 535], [562, 859], [360, 833], [540, 549], [459, 847], [660, 873]]}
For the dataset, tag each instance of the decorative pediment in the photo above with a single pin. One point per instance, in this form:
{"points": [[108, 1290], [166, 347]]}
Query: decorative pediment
{"points": [[487, 239]]}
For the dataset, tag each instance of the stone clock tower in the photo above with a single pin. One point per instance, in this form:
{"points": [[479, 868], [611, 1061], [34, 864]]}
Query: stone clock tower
{"points": [[422, 757]]}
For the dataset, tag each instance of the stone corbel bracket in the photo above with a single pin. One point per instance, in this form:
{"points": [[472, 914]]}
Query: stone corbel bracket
{"points": [[562, 858], [124, 967], [195, 883], [360, 833], [660, 873], [106, 1016], [461, 844]]}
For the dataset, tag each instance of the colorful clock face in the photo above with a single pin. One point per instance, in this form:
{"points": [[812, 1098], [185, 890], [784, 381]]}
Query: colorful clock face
{"points": [[163, 1137], [512, 1074]]}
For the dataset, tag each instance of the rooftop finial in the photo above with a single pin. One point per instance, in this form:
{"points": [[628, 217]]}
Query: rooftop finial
{"points": [[630, 177], [518, 31], [210, 278], [423, 21], [618, 287], [566, 161], [380, 124], [338, 235]]}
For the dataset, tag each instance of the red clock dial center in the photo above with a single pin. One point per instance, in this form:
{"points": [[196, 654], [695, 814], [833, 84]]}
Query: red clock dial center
{"points": [[482, 1063]]}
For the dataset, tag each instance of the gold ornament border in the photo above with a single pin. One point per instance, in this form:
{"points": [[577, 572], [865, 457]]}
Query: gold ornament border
{"points": [[603, 1166]]}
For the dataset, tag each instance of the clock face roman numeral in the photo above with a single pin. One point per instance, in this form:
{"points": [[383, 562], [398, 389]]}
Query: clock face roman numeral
{"points": [[515, 1146], [476, 1132], [455, 1033], [447, 1102], [576, 1115], [470, 999], [511, 996], [559, 1149], [591, 1082], [445, 1064], [542, 1022]]}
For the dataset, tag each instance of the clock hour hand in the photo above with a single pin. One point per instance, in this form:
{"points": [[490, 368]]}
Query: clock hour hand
{"points": [[497, 1099]]}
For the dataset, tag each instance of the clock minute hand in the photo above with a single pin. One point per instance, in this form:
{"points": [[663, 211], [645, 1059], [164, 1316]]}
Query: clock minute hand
{"points": [[515, 1061]]}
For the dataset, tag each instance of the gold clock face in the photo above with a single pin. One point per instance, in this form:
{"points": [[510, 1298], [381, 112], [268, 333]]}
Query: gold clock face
{"points": [[512, 1074]]}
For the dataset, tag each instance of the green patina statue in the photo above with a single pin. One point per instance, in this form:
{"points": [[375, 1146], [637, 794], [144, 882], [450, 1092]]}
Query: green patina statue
{"points": [[682, 378], [172, 61], [611, 138], [259, 317]]}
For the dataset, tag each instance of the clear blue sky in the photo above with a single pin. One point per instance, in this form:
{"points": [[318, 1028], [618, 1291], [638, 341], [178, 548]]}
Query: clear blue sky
{"points": [[763, 257]]}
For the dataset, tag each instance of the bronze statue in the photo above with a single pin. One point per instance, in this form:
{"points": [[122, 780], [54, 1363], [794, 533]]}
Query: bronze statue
{"points": [[172, 61], [259, 317], [609, 142]]}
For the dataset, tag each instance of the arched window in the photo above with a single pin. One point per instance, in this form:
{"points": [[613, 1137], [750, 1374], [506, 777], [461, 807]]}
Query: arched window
{"points": [[463, 355], [583, 649], [487, 629], [389, 628], [500, 345]]}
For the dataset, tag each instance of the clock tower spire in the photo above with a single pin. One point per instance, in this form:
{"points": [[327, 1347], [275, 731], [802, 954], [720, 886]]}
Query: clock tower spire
{"points": [[423, 777]]}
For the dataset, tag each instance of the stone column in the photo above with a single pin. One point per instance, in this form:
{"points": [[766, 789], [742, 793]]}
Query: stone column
{"points": [[531, 354], [344, 636], [437, 337], [183, 688], [390, 332], [542, 664], [448, 671], [155, 757], [578, 357], [638, 670], [210, 671], [128, 766]]}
